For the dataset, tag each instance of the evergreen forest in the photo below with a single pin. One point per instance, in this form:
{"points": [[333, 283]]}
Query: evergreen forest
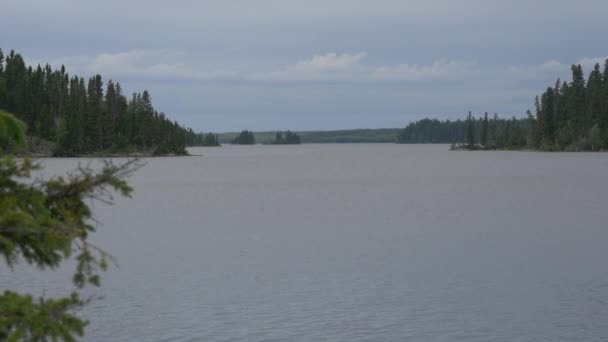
{"points": [[77, 116], [568, 116]]}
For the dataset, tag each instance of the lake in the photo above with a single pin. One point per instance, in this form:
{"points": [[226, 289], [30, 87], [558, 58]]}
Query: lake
{"points": [[353, 242]]}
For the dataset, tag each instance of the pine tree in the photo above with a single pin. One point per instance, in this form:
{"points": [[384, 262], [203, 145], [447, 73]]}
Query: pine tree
{"points": [[94, 117], [562, 105], [577, 101], [494, 130], [143, 117], [123, 127], [484, 131], [603, 119], [110, 116], [547, 121], [593, 97], [470, 131]]}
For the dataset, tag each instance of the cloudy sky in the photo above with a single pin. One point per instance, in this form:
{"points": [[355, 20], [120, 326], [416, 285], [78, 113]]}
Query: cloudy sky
{"points": [[225, 65]]}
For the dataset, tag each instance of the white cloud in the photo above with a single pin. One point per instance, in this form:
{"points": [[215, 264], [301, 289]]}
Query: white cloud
{"points": [[551, 65], [553, 69], [328, 62], [438, 70], [589, 63], [328, 67], [550, 68], [139, 64]]}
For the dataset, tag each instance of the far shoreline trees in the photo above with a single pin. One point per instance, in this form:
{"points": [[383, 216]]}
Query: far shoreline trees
{"points": [[201, 139], [287, 138], [244, 138], [570, 116], [211, 140]]}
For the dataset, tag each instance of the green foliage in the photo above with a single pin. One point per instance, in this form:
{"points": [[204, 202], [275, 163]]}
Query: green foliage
{"points": [[12, 136], [43, 223], [244, 138], [566, 136], [515, 136], [23, 319]]}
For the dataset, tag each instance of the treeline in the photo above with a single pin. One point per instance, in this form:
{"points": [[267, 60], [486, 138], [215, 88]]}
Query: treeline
{"points": [[244, 138], [81, 116], [366, 135], [494, 133], [570, 116], [289, 138], [432, 131], [377, 135], [202, 139]]}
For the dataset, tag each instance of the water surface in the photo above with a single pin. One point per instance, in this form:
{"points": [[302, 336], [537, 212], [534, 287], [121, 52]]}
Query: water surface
{"points": [[351, 243]]}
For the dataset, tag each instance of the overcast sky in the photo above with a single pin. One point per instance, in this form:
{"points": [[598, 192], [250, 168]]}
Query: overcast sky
{"points": [[315, 64]]}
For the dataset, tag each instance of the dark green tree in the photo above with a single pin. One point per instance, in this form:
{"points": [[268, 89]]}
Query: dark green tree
{"points": [[577, 98], [547, 121], [93, 121], [484, 131], [593, 98], [494, 130], [289, 138], [244, 138], [470, 131]]}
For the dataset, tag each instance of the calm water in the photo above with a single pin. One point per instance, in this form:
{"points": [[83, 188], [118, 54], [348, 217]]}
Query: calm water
{"points": [[352, 243]]}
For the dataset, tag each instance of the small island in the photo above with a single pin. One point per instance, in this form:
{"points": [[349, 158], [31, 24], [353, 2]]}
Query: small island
{"points": [[289, 138], [244, 138]]}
